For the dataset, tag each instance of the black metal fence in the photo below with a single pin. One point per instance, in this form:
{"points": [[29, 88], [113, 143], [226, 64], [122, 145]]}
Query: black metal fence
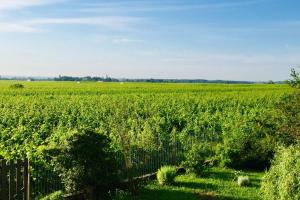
{"points": [[45, 181]]}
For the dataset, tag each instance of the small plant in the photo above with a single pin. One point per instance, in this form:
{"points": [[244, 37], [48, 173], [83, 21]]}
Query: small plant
{"points": [[17, 86], [166, 175], [243, 181], [58, 195]]}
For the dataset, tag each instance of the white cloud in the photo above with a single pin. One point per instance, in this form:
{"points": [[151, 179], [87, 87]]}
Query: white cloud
{"points": [[125, 40], [150, 6], [18, 4], [36, 25], [105, 21], [15, 27]]}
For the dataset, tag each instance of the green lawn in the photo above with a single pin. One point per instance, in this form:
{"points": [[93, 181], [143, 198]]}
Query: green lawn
{"points": [[214, 184]]}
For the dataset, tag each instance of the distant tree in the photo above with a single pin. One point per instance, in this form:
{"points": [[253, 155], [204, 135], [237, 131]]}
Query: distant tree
{"points": [[295, 81]]}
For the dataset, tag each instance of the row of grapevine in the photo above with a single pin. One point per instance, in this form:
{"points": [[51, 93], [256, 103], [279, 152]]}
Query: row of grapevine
{"points": [[157, 122]]}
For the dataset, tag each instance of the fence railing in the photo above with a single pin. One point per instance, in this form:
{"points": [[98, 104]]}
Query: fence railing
{"points": [[18, 184], [14, 180]]}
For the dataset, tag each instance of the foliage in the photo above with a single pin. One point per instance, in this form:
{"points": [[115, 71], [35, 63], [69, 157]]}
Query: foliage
{"points": [[17, 86], [295, 81], [148, 124], [249, 142], [84, 160], [289, 109], [58, 195], [282, 181], [196, 157], [166, 175], [243, 181]]}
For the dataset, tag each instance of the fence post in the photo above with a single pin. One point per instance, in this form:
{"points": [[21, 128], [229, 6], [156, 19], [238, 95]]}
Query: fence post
{"points": [[19, 182], [26, 180], [12, 183], [3, 181]]}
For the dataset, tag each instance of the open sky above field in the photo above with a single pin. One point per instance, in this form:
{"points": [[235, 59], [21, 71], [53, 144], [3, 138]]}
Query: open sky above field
{"points": [[209, 39]]}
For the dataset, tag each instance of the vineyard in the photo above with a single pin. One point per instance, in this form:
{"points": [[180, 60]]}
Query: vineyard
{"points": [[152, 124]]}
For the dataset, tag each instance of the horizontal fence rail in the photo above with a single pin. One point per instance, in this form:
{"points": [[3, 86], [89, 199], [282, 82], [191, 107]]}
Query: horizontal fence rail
{"points": [[18, 184]]}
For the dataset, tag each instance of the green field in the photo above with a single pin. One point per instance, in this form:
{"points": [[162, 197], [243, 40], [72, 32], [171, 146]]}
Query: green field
{"points": [[31, 115], [150, 119]]}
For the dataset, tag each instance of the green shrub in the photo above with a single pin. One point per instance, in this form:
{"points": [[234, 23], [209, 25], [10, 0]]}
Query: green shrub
{"points": [[249, 142], [243, 181], [58, 195], [282, 181], [84, 161], [195, 158], [289, 109], [166, 175], [17, 86]]}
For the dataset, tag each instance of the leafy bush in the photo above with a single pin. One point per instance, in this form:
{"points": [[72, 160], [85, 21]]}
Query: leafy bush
{"points": [[84, 161], [282, 181], [17, 86], [196, 157], [166, 175], [249, 142], [289, 109], [243, 181], [58, 195]]}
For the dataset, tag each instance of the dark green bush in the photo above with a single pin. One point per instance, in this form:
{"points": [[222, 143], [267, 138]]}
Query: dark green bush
{"points": [[84, 161], [282, 181], [196, 157], [249, 142], [58, 195], [289, 109], [17, 86], [166, 175]]}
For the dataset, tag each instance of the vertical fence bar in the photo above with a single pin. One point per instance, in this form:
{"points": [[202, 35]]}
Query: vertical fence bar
{"points": [[26, 180], [3, 188], [19, 182], [12, 185]]}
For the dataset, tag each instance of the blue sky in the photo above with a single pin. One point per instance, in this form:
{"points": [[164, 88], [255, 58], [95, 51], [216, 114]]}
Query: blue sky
{"points": [[210, 39]]}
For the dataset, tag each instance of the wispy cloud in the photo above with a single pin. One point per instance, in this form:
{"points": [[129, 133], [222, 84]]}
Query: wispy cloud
{"points": [[233, 58], [152, 6], [124, 40], [18, 4], [37, 25], [105, 21], [17, 27]]}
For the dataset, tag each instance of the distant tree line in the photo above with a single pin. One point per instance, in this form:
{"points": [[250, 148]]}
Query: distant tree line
{"points": [[149, 80], [86, 78]]}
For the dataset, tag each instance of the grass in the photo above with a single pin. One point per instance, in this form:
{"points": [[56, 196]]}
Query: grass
{"points": [[216, 183]]}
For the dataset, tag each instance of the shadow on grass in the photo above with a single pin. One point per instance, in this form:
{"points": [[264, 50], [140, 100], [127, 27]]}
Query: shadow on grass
{"points": [[221, 175], [211, 196], [230, 176], [193, 185], [165, 194]]}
